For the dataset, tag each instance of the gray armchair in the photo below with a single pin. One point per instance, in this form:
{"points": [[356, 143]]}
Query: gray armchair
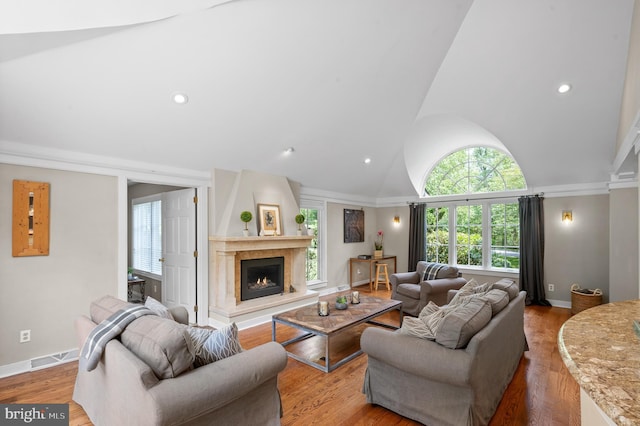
{"points": [[416, 289]]}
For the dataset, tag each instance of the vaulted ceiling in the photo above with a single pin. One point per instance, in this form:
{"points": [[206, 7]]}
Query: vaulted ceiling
{"points": [[337, 80]]}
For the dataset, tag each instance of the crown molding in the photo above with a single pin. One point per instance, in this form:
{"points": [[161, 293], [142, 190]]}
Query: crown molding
{"points": [[57, 159]]}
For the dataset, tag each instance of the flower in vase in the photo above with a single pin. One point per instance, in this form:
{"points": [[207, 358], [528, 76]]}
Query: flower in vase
{"points": [[379, 238]]}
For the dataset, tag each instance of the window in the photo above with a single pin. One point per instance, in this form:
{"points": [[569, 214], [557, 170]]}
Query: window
{"points": [[311, 218], [474, 170], [467, 246], [486, 234], [146, 246], [313, 212]]}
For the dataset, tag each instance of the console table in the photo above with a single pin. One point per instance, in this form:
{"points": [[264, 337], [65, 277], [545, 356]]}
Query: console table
{"points": [[371, 264], [130, 283]]}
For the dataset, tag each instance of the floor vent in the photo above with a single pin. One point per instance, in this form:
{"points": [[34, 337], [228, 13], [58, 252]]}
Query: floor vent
{"points": [[54, 359]]}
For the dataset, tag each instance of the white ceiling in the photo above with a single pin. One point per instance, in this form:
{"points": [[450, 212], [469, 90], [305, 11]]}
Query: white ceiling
{"points": [[338, 80]]}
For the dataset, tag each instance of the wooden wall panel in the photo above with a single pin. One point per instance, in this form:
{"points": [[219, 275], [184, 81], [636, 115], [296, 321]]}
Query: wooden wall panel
{"points": [[30, 218]]}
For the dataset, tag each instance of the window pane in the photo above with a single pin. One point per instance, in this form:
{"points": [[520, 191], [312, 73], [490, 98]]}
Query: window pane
{"points": [[469, 235], [147, 237], [505, 236], [474, 170], [437, 229], [311, 221]]}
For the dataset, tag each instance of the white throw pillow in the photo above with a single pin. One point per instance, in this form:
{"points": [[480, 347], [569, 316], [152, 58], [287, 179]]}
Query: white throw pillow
{"points": [[427, 324], [471, 287], [158, 308]]}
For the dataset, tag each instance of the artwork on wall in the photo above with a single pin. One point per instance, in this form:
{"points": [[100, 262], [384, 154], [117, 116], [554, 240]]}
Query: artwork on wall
{"points": [[353, 226], [30, 218], [269, 219]]}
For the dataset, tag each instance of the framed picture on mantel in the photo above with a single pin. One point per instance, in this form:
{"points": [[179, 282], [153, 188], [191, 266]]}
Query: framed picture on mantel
{"points": [[269, 219]]}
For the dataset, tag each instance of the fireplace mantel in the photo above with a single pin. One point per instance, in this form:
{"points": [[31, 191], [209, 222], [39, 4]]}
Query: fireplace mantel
{"points": [[264, 243], [224, 286]]}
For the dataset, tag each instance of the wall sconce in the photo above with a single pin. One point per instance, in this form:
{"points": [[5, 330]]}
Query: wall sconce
{"points": [[567, 216], [396, 220]]}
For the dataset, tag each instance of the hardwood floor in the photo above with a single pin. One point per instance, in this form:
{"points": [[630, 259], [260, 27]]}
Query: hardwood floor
{"points": [[542, 391]]}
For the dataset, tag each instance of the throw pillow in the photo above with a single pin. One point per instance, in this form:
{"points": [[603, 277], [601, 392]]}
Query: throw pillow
{"points": [[471, 287], [214, 345], [164, 345], [426, 325], [511, 288], [158, 308], [462, 322], [498, 299]]}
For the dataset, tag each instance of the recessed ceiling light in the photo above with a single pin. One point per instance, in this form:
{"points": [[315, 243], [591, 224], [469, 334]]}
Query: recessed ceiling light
{"points": [[367, 160], [564, 88], [289, 151], [180, 98]]}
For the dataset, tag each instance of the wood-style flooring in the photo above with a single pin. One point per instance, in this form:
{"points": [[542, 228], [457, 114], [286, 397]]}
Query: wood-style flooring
{"points": [[541, 393]]}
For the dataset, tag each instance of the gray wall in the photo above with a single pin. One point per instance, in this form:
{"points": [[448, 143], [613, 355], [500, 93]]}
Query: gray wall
{"points": [[46, 293], [339, 252], [578, 252], [623, 238]]}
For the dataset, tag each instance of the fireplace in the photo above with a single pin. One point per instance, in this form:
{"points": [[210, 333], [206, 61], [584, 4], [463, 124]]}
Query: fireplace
{"points": [[261, 277]]}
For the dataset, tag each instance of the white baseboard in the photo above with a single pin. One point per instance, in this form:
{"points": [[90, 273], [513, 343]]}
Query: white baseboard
{"points": [[39, 363], [559, 303]]}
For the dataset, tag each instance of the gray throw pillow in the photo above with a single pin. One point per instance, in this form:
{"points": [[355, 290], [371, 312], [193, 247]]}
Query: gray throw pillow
{"points": [[462, 322], [214, 345], [498, 299], [511, 288], [164, 345]]}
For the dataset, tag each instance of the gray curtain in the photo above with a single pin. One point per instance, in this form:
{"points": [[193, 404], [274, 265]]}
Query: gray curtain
{"points": [[417, 249], [532, 249]]}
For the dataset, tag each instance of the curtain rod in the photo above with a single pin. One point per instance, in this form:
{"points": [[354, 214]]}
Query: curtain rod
{"points": [[412, 203]]}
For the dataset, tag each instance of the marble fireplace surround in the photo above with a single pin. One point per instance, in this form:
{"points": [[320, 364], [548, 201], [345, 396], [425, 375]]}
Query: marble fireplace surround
{"points": [[226, 253]]}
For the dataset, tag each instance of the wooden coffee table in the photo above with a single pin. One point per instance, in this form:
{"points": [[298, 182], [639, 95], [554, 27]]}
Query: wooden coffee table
{"points": [[331, 326]]}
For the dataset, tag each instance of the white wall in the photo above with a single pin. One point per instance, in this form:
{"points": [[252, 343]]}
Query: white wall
{"points": [[234, 192], [46, 293]]}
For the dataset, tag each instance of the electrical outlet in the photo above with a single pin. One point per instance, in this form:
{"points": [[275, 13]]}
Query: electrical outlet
{"points": [[25, 336], [552, 287], [358, 271]]}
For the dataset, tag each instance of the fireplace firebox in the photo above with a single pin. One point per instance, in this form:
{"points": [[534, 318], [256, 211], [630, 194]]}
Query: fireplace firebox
{"points": [[261, 277]]}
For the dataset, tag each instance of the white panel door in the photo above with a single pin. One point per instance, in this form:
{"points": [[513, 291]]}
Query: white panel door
{"points": [[178, 250]]}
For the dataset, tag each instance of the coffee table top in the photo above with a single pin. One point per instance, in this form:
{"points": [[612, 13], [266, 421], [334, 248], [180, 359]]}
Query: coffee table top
{"points": [[307, 316]]}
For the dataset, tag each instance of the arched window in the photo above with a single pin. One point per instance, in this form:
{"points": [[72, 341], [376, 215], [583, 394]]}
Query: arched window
{"points": [[475, 234], [474, 170]]}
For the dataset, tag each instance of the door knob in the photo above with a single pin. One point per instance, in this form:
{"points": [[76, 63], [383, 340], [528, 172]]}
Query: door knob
{"points": [[161, 259]]}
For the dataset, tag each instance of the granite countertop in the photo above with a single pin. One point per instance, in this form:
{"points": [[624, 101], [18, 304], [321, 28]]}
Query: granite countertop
{"points": [[602, 352]]}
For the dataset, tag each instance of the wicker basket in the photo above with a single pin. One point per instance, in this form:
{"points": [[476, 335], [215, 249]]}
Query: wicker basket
{"points": [[581, 301]]}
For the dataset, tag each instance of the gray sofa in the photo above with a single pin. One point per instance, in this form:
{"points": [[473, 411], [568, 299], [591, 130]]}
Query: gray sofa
{"points": [[125, 390], [415, 293], [435, 385]]}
